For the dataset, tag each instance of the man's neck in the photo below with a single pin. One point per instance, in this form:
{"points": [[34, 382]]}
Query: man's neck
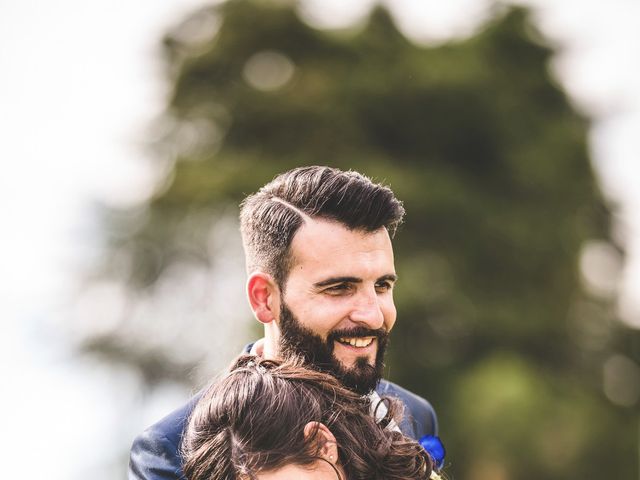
{"points": [[268, 346]]}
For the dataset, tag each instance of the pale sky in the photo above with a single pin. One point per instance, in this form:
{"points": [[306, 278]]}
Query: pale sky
{"points": [[80, 82]]}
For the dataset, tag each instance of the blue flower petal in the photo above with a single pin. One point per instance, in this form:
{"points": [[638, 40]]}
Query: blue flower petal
{"points": [[434, 447]]}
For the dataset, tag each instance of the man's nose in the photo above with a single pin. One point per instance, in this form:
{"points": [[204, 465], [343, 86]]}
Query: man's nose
{"points": [[367, 310]]}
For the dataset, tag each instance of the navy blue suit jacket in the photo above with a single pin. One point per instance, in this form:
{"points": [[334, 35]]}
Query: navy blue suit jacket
{"points": [[155, 452]]}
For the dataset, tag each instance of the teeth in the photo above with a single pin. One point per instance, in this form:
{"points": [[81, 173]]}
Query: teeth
{"points": [[357, 342]]}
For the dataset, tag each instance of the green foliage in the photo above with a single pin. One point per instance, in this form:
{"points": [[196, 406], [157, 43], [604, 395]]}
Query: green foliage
{"points": [[490, 159], [550, 425]]}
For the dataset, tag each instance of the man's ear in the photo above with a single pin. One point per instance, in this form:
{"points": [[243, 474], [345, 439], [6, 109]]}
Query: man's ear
{"points": [[326, 442], [264, 296]]}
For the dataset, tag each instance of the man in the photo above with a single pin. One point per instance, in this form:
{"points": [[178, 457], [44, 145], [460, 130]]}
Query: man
{"points": [[318, 249]]}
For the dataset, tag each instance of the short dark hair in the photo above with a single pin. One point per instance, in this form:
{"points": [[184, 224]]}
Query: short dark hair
{"points": [[253, 419], [270, 218]]}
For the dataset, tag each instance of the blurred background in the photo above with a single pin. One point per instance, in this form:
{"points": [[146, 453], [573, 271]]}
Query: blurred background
{"points": [[510, 130]]}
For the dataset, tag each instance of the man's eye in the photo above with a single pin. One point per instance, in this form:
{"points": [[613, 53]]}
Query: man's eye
{"points": [[384, 286], [339, 289]]}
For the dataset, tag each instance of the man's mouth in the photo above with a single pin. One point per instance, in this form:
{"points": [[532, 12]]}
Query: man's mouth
{"points": [[358, 342]]}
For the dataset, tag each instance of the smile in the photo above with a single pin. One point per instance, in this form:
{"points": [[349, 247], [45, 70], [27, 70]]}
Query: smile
{"points": [[359, 342]]}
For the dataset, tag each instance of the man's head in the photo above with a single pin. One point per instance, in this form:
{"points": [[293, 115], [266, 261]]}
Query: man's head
{"points": [[321, 271]]}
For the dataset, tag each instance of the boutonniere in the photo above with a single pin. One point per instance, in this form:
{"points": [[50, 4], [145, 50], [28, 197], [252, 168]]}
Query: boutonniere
{"points": [[434, 447]]}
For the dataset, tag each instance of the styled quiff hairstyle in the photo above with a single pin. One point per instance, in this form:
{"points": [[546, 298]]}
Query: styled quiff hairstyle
{"points": [[270, 218], [253, 420]]}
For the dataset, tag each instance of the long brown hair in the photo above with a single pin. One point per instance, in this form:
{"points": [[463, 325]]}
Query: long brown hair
{"points": [[253, 420]]}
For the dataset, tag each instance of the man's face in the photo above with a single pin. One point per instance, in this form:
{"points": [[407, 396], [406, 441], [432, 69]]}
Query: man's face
{"points": [[337, 306]]}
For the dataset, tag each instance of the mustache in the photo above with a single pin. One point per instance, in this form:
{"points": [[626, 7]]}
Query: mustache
{"points": [[358, 332]]}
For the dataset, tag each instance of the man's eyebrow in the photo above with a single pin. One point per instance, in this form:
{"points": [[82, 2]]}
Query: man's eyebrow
{"points": [[334, 280], [391, 277]]}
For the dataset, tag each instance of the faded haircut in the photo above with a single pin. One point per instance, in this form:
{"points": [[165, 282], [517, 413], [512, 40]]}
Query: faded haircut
{"points": [[270, 218]]}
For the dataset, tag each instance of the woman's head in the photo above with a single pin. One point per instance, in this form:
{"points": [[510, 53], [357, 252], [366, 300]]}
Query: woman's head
{"points": [[268, 419]]}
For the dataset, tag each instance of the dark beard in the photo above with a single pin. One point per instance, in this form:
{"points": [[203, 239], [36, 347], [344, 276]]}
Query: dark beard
{"points": [[295, 339]]}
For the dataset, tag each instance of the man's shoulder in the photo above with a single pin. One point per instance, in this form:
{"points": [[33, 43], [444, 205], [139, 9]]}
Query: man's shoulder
{"points": [[171, 426], [155, 453], [419, 416]]}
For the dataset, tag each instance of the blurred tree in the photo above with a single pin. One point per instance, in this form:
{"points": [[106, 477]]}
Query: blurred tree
{"points": [[490, 159]]}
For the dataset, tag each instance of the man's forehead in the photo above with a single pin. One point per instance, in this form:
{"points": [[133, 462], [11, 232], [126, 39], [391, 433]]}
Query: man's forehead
{"points": [[330, 233], [330, 248]]}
